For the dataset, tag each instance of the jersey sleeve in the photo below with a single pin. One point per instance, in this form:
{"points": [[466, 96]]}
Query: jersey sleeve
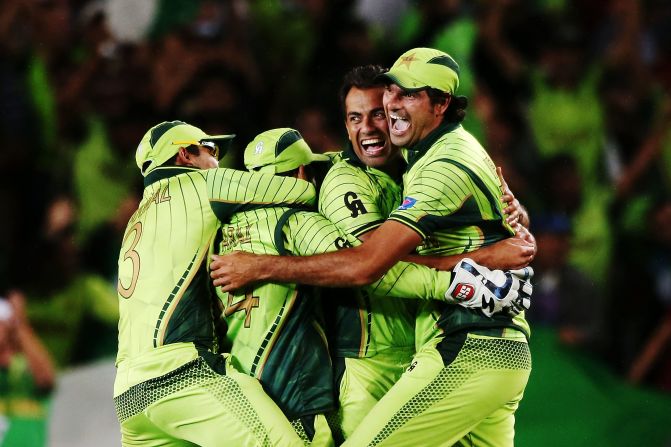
{"points": [[446, 194], [231, 191], [306, 233], [348, 200], [414, 281]]}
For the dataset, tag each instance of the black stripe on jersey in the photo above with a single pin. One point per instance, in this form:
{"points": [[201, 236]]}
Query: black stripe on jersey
{"points": [[391, 286], [417, 151], [337, 202], [405, 220], [269, 335], [160, 173], [186, 220], [305, 241], [278, 238], [366, 228], [453, 196], [493, 201], [369, 321], [224, 209], [351, 157], [171, 297]]}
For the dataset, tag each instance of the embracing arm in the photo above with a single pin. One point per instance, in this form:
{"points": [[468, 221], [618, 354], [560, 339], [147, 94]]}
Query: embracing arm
{"points": [[509, 254], [348, 267]]}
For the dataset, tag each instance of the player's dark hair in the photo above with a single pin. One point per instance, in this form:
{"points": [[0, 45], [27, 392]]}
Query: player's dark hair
{"points": [[362, 77], [456, 111]]}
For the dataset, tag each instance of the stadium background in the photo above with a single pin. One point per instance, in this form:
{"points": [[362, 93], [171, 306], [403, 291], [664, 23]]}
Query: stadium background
{"points": [[571, 98]]}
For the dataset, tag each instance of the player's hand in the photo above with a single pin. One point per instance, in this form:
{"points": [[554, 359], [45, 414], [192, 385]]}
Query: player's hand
{"points": [[514, 211], [523, 233], [490, 291], [507, 254], [234, 271]]}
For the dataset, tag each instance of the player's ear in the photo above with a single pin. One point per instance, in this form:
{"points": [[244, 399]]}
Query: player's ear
{"points": [[441, 107], [183, 157], [301, 173]]}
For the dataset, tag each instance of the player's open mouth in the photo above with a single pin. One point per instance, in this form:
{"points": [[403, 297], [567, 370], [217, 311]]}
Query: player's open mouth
{"points": [[397, 124], [372, 146]]}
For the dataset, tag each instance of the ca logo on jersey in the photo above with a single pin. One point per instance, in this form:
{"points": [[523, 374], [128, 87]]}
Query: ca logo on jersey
{"points": [[259, 148], [341, 242], [353, 204]]}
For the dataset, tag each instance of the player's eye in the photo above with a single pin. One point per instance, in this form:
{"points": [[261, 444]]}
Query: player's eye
{"points": [[211, 149]]}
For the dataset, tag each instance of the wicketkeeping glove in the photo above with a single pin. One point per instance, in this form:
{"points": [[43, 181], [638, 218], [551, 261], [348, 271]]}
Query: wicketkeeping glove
{"points": [[491, 291]]}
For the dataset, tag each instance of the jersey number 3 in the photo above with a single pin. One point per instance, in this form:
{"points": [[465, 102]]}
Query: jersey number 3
{"points": [[134, 258]]}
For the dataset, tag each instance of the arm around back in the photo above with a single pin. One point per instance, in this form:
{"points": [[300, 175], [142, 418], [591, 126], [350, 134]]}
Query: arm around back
{"points": [[348, 267]]}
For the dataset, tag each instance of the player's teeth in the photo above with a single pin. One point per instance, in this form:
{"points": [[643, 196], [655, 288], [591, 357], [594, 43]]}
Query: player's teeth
{"points": [[372, 141]]}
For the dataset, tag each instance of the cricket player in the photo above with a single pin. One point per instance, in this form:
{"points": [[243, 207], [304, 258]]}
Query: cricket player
{"points": [[469, 375], [373, 337], [171, 388], [275, 330]]}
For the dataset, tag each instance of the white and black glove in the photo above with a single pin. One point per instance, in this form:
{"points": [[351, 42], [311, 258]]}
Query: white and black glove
{"points": [[491, 291]]}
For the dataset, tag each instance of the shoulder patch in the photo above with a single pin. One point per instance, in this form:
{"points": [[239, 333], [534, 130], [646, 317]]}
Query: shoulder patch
{"points": [[408, 202]]}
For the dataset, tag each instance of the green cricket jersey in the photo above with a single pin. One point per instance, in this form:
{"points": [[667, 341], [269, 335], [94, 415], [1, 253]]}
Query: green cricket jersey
{"points": [[165, 303], [452, 199], [358, 199], [275, 330]]}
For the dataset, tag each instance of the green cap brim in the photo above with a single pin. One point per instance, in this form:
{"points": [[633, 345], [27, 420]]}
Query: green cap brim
{"points": [[402, 80], [223, 142]]}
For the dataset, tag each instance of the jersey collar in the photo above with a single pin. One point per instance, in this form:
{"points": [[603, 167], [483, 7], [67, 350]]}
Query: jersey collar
{"points": [[161, 173], [350, 157], [418, 150]]}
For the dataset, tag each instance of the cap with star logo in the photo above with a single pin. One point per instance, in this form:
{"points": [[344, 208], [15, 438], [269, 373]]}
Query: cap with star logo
{"points": [[420, 68]]}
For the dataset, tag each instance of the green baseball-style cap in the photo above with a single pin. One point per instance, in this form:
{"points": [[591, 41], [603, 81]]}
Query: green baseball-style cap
{"points": [[163, 141], [279, 150], [420, 68]]}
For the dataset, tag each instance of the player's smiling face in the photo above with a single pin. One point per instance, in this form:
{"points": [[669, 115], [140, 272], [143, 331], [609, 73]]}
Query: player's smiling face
{"points": [[411, 115], [367, 126]]}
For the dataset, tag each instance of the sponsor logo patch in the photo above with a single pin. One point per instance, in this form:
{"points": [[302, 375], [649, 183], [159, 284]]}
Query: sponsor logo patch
{"points": [[408, 203], [258, 148], [463, 292]]}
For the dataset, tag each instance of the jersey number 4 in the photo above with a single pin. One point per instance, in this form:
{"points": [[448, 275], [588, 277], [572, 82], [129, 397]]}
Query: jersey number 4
{"points": [[248, 303]]}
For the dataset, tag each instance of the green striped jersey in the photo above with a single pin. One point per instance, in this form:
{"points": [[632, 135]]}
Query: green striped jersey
{"points": [[358, 199], [164, 291], [452, 199], [275, 330]]}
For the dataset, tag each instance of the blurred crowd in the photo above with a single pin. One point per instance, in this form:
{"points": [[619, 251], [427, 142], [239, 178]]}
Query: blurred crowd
{"points": [[571, 98]]}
